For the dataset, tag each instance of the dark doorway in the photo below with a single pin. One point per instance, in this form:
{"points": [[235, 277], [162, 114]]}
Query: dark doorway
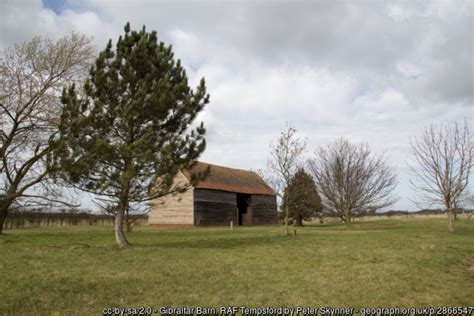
{"points": [[243, 202]]}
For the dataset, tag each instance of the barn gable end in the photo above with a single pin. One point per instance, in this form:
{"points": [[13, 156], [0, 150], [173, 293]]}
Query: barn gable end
{"points": [[173, 209]]}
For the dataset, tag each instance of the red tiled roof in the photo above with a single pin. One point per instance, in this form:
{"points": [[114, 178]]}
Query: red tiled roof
{"points": [[230, 180]]}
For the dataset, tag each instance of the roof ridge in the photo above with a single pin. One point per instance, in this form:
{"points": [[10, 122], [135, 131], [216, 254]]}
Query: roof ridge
{"points": [[212, 164]]}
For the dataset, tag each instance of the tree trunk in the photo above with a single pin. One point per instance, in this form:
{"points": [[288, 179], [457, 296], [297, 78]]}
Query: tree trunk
{"points": [[3, 217], [450, 220], [348, 218], [119, 234], [299, 221], [4, 206], [287, 216], [120, 214], [129, 224], [119, 219]]}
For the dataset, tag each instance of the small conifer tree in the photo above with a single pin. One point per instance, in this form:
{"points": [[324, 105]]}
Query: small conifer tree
{"points": [[301, 198]]}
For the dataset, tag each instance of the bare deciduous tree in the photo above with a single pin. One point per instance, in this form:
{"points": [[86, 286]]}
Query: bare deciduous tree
{"points": [[285, 158], [32, 76], [351, 179], [443, 159]]}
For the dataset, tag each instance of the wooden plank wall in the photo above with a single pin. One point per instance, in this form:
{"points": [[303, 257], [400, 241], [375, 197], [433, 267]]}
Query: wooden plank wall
{"points": [[264, 209], [212, 207], [173, 209]]}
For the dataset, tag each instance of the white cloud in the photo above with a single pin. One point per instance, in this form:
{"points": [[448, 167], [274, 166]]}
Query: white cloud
{"points": [[370, 71], [397, 13]]}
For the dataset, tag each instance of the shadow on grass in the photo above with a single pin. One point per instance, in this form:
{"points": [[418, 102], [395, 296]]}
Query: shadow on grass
{"points": [[325, 225], [358, 226], [462, 230], [219, 243], [378, 227], [203, 231]]}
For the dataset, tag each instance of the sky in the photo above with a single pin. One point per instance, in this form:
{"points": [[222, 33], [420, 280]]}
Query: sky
{"points": [[370, 71]]}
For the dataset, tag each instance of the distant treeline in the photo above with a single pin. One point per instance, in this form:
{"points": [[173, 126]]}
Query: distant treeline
{"points": [[84, 217], [361, 214], [64, 217], [420, 212]]}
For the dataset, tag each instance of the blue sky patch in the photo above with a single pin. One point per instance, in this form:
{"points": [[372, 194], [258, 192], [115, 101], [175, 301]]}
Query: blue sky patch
{"points": [[57, 6]]}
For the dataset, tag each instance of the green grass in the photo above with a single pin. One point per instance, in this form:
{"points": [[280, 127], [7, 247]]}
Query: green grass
{"points": [[79, 271]]}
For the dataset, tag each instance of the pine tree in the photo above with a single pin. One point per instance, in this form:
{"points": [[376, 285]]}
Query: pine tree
{"points": [[127, 134], [302, 198]]}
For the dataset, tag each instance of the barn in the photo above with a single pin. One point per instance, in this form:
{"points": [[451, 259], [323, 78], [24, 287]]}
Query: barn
{"points": [[226, 195]]}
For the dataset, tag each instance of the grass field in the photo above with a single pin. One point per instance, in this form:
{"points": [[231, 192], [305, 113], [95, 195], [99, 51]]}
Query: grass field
{"points": [[394, 262]]}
